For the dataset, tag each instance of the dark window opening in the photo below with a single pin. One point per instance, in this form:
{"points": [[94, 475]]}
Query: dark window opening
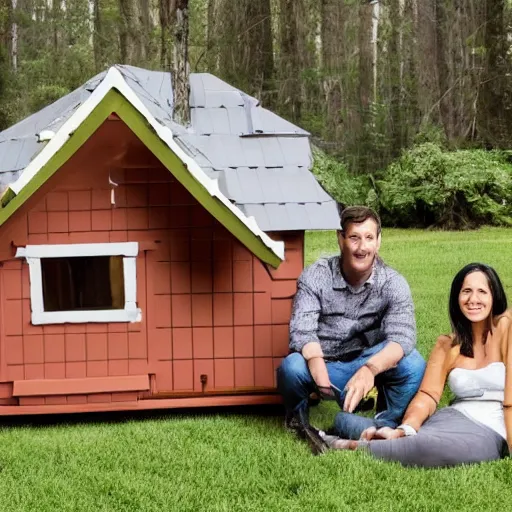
{"points": [[83, 283]]}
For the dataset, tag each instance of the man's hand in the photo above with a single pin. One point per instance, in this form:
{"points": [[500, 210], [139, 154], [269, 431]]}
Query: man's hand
{"points": [[326, 393], [358, 387], [382, 433]]}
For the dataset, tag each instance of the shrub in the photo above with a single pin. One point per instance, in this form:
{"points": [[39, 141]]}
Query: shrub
{"points": [[427, 186], [337, 180]]}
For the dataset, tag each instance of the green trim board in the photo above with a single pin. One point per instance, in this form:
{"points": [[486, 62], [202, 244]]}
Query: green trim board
{"points": [[12, 202], [115, 102]]}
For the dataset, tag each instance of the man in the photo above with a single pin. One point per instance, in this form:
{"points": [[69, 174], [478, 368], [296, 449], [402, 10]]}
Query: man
{"points": [[352, 327]]}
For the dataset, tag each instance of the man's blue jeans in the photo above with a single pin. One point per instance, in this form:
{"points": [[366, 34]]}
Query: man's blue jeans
{"points": [[396, 386]]}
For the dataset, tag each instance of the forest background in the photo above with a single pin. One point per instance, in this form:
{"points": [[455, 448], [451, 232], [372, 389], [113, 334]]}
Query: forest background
{"points": [[409, 102]]}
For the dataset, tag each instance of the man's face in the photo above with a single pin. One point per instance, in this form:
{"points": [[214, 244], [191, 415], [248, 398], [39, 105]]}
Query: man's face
{"points": [[359, 245]]}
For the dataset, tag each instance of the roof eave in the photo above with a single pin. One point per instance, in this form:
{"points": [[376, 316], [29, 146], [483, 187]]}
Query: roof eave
{"points": [[114, 95]]}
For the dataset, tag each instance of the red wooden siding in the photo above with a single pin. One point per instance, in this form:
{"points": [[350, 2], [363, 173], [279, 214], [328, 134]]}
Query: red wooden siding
{"points": [[214, 318]]}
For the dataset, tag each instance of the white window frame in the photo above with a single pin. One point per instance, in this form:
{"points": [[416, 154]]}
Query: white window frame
{"points": [[34, 253]]}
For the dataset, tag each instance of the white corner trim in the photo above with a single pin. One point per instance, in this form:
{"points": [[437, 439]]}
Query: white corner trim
{"points": [[77, 250], [34, 254], [36, 285], [130, 285], [114, 80]]}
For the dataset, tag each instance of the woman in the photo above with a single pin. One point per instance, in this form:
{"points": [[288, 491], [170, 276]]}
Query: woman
{"points": [[476, 359]]}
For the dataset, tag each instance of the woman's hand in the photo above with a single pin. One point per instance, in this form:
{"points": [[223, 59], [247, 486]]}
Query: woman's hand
{"points": [[382, 433]]}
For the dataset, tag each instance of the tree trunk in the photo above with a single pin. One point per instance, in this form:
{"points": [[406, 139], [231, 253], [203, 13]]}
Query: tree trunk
{"points": [[495, 91], [245, 43], [409, 52], [365, 60], [6, 6], [476, 61], [130, 35], [212, 51], [57, 32], [426, 61], [375, 47], [395, 74], [443, 70], [292, 53], [457, 48], [14, 36], [165, 9], [180, 65], [145, 23], [259, 40], [98, 44], [332, 28]]}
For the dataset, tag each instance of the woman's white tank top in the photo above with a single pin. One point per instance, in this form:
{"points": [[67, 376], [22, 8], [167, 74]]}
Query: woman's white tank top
{"points": [[479, 394]]}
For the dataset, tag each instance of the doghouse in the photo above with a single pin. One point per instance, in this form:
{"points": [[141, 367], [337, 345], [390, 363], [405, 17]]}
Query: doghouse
{"points": [[145, 264]]}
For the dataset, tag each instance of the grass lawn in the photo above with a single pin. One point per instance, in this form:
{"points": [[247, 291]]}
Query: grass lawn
{"points": [[225, 460]]}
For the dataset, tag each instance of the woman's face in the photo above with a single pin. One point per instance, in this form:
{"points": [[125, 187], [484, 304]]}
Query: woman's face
{"points": [[475, 297]]}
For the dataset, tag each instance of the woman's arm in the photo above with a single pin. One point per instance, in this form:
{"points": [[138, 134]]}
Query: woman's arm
{"points": [[425, 402], [505, 324]]}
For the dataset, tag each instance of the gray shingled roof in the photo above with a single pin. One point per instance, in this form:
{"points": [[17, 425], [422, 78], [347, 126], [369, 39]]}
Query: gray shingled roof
{"points": [[261, 161]]}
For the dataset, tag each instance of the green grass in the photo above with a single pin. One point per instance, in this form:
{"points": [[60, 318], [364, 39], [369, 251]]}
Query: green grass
{"points": [[225, 460]]}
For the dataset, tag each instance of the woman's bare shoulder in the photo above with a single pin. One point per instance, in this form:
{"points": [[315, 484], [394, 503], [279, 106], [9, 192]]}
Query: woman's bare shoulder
{"points": [[446, 346], [445, 341], [504, 320]]}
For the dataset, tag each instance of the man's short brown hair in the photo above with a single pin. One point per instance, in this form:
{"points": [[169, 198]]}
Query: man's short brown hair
{"points": [[356, 215]]}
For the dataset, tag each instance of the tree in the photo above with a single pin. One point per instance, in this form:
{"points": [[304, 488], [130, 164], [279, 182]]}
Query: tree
{"points": [[98, 36], [14, 35], [495, 97], [332, 29], [174, 21], [166, 10], [292, 56], [211, 49], [395, 71], [180, 65], [424, 29], [365, 77], [5, 10], [131, 33], [443, 71], [245, 46]]}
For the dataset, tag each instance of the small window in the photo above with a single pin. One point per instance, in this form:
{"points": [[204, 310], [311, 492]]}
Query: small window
{"points": [[81, 283], [78, 283]]}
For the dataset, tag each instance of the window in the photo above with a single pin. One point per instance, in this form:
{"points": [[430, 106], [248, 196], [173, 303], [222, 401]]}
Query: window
{"points": [[82, 282]]}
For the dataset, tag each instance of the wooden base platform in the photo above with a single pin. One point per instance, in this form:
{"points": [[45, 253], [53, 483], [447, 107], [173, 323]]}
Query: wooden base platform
{"points": [[142, 405]]}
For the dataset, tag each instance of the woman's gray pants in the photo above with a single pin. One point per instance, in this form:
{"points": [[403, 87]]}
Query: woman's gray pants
{"points": [[447, 438]]}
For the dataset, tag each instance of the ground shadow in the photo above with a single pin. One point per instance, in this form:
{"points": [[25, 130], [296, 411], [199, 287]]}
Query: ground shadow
{"points": [[272, 411]]}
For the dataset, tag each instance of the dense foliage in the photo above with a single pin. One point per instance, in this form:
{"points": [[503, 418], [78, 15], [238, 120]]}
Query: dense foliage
{"points": [[337, 180], [429, 186]]}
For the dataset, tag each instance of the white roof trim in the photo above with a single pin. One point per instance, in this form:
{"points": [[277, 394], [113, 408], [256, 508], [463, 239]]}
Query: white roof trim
{"points": [[114, 80]]}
